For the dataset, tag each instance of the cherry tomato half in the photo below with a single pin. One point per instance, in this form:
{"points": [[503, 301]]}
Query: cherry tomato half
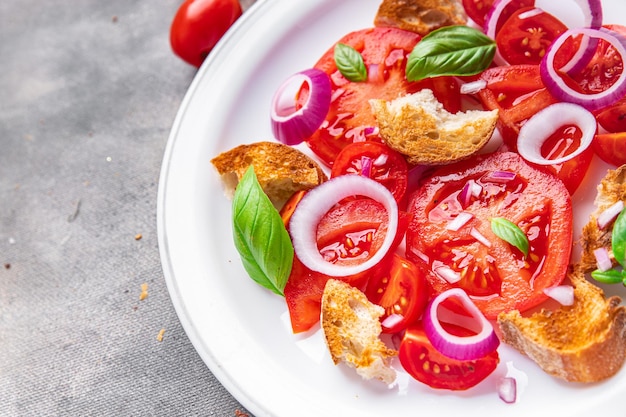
{"points": [[526, 35], [199, 24], [611, 147], [424, 363], [403, 291], [384, 165]]}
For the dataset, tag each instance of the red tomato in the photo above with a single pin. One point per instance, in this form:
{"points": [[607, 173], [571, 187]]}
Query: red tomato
{"points": [[287, 210], [525, 36], [495, 274], [424, 363], [386, 166], [402, 291], [517, 92], [477, 10], [611, 147], [384, 51], [613, 118], [347, 233], [199, 24]]}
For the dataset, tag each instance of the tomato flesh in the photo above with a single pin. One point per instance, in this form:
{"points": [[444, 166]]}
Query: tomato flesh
{"points": [[424, 363], [199, 24], [402, 292], [611, 147], [525, 36], [496, 275], [381, 163]]}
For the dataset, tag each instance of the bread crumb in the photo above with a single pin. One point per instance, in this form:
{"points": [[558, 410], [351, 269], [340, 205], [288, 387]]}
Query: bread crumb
{"points": [[144, 291], [159, 337], [138, 236], [239, 413]]}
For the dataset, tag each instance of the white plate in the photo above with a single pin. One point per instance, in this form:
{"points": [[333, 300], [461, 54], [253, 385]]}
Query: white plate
{"points": [[241, 330]]}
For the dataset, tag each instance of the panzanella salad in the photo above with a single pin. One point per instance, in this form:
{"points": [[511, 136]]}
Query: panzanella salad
{"points": [[446, 157]]}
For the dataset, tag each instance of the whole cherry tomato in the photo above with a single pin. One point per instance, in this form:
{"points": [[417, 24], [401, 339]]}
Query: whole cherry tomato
{"points": [[199, 24]]}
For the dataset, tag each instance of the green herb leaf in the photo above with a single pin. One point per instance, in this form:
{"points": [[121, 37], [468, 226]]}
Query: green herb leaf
{"points": [[618, 238], [612, 276], [350, 63], [450, 50], [260, 235], [511, 233]]}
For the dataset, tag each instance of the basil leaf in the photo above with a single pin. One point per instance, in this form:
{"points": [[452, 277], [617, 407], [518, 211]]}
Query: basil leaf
{"points": [[260, 236], [511, 233], [450, 50], [350, 63], [618, 238], [612, 276]]}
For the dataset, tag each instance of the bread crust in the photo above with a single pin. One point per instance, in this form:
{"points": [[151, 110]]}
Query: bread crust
{"points": [[280, 169], [417, 126], [351, 327], [585, 342], [611, 189], [420, 16]]}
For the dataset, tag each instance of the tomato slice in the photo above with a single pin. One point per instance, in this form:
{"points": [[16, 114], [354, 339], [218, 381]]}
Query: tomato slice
{"points": [[384, 51], [517, 92], [477, 10], [495, 274], [613, 117], [525, 36], [424, 363], [403, 291], [611, 147], [382, 163], [347, 234]]}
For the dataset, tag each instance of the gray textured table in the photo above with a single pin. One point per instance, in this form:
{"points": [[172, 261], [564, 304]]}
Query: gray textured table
{"points": [[88, 92]]}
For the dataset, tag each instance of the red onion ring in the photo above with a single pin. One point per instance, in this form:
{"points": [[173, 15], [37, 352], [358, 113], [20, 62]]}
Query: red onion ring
{"points": [[316, 203], [462, 348], [564, 294], [291, 125], [557, 86], [540, 126]]}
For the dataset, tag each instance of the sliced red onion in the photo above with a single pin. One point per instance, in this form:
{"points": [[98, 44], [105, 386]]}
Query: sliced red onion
{"points": [[500, 176], [507, 389], [480, 237], [469, 190], [291, 125], [316, 203], [392, 320], [541, 125], [450, 275], [609, 214], [484, 342], [593, 17], [564, 294], [459, 221], [557, 86], [473, 87], [366, 166], [603, 259]]}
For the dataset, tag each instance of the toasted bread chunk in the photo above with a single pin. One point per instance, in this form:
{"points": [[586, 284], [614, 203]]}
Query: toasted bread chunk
{"points": [[611, 189], [351, 326], [585, 342], [417, 126], [421, 16], [281, 169]]}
